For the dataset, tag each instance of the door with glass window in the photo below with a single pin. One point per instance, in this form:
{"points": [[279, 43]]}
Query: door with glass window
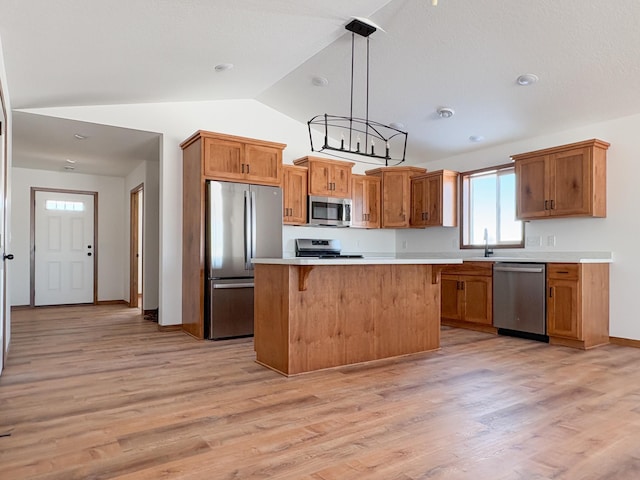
{"points": [[64, 248]]}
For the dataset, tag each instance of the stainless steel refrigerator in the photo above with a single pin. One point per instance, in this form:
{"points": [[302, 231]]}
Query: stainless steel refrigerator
{"points": [[243, 221]]}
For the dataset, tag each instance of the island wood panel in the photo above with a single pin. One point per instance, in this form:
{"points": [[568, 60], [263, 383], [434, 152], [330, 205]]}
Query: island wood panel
{"points": [[344, 314], [193, 215], [271, 330]]}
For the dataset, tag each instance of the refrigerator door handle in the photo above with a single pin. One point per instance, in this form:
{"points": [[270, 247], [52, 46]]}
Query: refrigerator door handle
{"points": [[254, 228], [248, 214]]}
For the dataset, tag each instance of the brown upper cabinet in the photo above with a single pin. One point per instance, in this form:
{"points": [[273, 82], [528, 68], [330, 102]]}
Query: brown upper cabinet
{"points": [[396, 194], [294, 195], [239, 159], [365, 211], [214, 156], [564, 181], [433, 199], [327, 178]]}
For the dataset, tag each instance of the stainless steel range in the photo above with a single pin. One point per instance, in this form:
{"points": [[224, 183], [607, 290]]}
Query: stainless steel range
{"points": [[320, 248]]}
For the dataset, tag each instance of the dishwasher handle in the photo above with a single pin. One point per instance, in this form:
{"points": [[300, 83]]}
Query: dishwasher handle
{"points": [[518, 269]]}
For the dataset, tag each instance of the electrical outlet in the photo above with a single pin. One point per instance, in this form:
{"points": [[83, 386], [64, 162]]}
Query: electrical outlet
{"points": [[534, 241], [551, 241]]}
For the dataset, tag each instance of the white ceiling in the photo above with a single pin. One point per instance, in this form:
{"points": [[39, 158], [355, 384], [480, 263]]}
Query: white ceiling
{"points": [[464, 54]]}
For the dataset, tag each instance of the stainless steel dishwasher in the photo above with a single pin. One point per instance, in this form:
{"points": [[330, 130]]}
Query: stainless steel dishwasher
{"points": [[519, 299]]}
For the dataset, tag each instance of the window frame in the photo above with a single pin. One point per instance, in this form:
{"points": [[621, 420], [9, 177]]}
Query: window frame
{"points": [[464, 208]]}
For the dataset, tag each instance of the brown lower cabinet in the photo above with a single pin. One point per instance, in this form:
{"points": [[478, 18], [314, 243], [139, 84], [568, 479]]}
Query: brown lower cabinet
{"points": [[578, 304], [467, 296]]}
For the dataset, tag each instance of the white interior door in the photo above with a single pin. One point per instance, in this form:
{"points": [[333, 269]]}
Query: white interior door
{"points": [[64, 248], [3, 234]]}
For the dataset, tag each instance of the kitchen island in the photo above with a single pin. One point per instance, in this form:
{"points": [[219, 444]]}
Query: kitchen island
{"points": [[312, 313]]}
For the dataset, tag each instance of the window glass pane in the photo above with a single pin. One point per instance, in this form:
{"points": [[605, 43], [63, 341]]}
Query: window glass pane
{"points": [[483, 208], [489, 208], [510, 228], [62, 205]]}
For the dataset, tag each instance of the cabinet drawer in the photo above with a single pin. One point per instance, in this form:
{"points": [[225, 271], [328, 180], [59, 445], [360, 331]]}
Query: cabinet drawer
{"points": [[567, 271], [469, 268]]}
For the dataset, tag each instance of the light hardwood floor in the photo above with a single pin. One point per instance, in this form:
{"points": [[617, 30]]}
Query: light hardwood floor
{"points": [[99, 393]]}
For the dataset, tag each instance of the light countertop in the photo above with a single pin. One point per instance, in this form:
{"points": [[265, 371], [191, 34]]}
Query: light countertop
{"points": [[440, 258], [358, 261]]}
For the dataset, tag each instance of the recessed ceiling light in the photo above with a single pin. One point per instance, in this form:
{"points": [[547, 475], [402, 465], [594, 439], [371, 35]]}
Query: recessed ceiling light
{"points": [[79, 137], [397, 125], [527, 79], [68, 160], [445, 112], [223, 67], [476, 138], [319, 81], [69, 167]]}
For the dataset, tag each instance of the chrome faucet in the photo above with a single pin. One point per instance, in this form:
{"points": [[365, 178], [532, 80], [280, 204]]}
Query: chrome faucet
{"points": [[487, 250]]}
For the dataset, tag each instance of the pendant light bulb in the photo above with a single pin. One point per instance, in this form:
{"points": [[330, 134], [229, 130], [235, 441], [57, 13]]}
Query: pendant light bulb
{"points": [[434, 3]]}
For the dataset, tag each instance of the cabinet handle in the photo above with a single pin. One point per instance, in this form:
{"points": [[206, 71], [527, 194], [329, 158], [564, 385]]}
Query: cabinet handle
{"points": [[566, 272], [546, 204], [553, 204], [550, 292], [426, 215], [461, 285]]}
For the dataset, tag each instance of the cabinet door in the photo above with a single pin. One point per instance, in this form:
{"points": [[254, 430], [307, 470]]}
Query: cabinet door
{"points": [[372, 195], [450, 301], [341, 181], [419, 199], [562, 309], [223, 159], [358, 201], [433, 201], [395, 203], [570, 182], [262, 164], [532, 199], [478, 299], [319, 179], [295, 196]]}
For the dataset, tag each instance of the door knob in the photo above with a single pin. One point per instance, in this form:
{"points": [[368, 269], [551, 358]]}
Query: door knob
{"points": [[7, 257]]}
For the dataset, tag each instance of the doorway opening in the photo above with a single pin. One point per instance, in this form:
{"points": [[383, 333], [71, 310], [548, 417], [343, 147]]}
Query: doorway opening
{"points": [[136, 257]]}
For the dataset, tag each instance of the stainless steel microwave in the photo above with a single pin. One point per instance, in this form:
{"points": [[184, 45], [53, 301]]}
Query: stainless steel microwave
{"points": [[329, 211]]}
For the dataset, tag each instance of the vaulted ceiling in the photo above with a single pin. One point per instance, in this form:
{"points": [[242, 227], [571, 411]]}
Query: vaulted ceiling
{"points": [[462, 54]]}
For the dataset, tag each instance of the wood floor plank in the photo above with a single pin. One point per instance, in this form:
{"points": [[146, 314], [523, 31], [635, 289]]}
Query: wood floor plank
{"points": [[99, 393]]}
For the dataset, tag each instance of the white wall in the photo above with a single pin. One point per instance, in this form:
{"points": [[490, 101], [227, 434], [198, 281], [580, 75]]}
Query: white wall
{"points": [[251, 119], [112, 248], [617, 233], [176, 122], [353, 240]]}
